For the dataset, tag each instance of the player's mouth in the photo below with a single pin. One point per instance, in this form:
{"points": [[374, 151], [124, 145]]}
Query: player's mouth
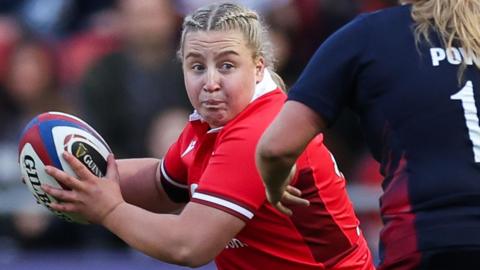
{"points": [[212, 104]]}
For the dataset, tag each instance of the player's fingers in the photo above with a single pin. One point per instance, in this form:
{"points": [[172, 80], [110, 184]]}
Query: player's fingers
{"points": [[293, 190], [60, 194], [63, 207], [77, 166], [290, 199], [283, 209], [63, 178], [112, 168]]}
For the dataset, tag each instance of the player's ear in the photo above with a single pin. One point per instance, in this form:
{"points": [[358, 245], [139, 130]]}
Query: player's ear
{"points": [[259, 69]]}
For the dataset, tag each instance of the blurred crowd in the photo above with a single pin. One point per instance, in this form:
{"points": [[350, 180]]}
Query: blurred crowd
{"points": [[113, 63]]}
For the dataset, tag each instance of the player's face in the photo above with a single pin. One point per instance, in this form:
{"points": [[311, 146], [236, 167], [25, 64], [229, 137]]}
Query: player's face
{"points": [[220, 74]]}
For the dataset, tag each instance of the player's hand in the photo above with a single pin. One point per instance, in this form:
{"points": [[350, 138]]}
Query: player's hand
{"points": [[88, 195], [291, 196], [286, 196]]}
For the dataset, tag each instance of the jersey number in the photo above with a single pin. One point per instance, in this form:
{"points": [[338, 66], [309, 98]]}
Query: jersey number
{"points": [[470, 111]]}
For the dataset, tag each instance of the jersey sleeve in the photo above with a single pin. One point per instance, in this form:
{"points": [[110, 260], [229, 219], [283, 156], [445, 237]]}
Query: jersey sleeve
{"points": [[231, 181], [173, 174], [326, 82]]}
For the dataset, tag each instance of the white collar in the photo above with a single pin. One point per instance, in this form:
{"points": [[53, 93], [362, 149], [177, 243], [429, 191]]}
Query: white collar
{"points": [[266, 85]]}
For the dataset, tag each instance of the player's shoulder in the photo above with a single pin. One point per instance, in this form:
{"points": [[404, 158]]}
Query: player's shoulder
{"points": [[388, 15], [263, 108], [364, 23], [271, 102], [258, 114], [367, 26]]}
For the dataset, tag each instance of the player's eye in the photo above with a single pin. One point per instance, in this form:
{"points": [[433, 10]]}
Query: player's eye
{"points": [[197, 67], [227, 66]]}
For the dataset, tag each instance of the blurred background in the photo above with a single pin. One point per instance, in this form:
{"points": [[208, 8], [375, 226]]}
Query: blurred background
{"points": [[113, 63]]}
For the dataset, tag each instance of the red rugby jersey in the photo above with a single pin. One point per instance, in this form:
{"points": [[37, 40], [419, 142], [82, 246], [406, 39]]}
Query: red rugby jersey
{"points": [[216, 167]]}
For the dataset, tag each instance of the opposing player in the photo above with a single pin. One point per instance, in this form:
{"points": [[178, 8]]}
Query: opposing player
{"points": [[210, 171], [412, 75]]}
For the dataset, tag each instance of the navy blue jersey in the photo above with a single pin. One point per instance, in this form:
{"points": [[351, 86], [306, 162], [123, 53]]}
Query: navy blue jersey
{"points": [[420, 121]]}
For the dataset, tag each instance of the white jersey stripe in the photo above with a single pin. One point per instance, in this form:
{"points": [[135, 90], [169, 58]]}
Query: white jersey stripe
{"points": [[170, 180], [235, 207]]}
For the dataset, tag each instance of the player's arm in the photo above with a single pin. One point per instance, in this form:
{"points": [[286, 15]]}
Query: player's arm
{"points": [[279, 148], [192, 238], [139, 183]]}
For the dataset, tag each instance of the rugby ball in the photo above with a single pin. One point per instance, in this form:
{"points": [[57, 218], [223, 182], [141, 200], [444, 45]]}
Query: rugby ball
{"points": [[42, 143]]}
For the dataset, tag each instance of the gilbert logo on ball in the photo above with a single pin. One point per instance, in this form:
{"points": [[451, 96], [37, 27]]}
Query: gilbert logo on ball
{"points": [[42, 143]]}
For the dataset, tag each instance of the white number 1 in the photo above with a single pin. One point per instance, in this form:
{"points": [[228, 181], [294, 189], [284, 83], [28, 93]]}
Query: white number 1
{"points": [[470, 111]]}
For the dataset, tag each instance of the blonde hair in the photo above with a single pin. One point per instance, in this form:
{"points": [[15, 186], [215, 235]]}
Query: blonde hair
{"points": [[456, 21], [230, 16]]}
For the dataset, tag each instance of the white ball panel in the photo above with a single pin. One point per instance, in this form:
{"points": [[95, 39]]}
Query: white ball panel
{"points": [[33, 172]]}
